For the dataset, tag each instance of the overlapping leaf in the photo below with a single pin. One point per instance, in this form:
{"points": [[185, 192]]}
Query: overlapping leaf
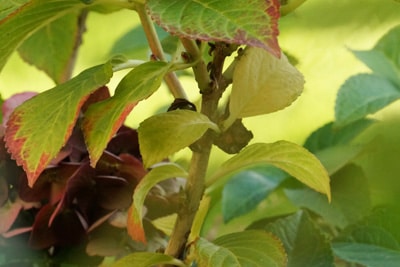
{"points": [[58, 39], [350, 198], [245, 190], [242, 22], [247, 248], [374, 242], [263, 84], [293, 159], [329, 136], [167, 133], [54, 111], [156, 175], [29, 18], [103, 119], [304, 242]]}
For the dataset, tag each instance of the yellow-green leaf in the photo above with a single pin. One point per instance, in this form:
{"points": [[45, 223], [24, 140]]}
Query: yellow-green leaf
{"points": [[156, 175], [290, 157], [167, 133], [103, 119], [262, 84], [239, 249]]}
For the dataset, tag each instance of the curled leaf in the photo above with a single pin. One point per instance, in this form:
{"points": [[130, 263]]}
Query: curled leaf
{"points": [[262, 84]]}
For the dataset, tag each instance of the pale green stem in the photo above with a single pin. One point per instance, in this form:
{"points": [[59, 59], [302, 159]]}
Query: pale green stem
{"points": [[170, 79]]}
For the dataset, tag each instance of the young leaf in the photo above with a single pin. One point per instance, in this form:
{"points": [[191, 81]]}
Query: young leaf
{"points": [[156, 175], [30, 17], [361, 95], [166, 133], [292, 158], [263, 84], [104, 118], [245, 190], [147, 259], [58, 38], [54, 111], [247, 248], [241, 22], [304, 242]]}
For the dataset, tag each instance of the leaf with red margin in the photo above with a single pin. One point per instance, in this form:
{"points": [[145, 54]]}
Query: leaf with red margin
{"points": [[14, 101], [135, 213], [40, 127], [103, 119], [253, 23]]}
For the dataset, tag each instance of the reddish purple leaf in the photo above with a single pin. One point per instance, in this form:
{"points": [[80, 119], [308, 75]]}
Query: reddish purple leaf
{"points": [[8, 214]]}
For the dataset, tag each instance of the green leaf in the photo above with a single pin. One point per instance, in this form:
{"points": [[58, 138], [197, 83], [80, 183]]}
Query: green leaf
{"points": [[380, 65], [245, 190], [336, 157], [166, 133], [58, 39], [292, 158], [241, 22], [350, 198], [103, 119], [156, 175], [263, 84], [30, 17], [39, 128], [9, 6], [304, 242], [370, 246], [133, 44], [361, 95], [147, 259], [247, 248], [329, 135], [383, 59]]}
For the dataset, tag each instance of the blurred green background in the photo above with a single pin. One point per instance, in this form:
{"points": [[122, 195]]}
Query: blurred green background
{"points": [[319, 34]]}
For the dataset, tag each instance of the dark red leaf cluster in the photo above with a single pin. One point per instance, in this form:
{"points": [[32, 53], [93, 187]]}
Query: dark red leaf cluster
{"points": [[73, 203], [70, 200]]}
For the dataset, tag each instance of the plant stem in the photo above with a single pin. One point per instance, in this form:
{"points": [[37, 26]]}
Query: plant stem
{"points": [[200, 69], [78, 41], [170, 79], [193, 193], [212, 90]]}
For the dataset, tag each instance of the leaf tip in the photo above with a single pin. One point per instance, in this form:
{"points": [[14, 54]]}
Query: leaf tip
{"points": [[135, 226]]}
